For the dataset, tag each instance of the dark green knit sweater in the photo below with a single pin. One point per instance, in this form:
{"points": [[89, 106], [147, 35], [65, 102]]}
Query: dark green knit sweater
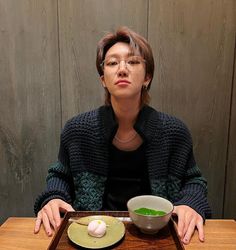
{"points": [[80, 174]]}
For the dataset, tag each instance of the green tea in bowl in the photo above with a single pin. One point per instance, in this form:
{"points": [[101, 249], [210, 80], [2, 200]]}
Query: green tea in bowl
{"points": [[150, 213]]}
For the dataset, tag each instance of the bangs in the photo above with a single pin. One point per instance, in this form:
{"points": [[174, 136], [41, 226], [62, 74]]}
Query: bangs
{"points": [[123, 38]]}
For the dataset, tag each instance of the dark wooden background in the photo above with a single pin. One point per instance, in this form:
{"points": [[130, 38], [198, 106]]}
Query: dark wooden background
{"points": [[48, 74]]}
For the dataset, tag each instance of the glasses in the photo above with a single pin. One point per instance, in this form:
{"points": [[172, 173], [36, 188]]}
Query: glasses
{"points": [[131, 63]]}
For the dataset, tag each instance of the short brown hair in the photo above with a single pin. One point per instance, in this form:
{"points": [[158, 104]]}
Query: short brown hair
{"points": [[138, 44]]}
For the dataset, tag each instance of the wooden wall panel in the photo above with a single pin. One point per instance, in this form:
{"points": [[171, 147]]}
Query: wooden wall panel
{"points": [[193, 43], [230, 185], [82, 24], [29, 103]]}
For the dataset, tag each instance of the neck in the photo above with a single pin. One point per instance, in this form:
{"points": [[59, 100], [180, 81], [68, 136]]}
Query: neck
{"points": [[126, 112]]}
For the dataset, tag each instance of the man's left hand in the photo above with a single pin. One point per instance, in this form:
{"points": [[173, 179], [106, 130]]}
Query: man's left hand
{"points": [[188, 220]]}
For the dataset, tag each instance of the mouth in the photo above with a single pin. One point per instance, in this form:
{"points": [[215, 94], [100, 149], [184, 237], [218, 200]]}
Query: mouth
{"points": [[122, 82]]}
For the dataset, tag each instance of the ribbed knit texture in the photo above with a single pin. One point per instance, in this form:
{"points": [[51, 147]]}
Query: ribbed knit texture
{"points": [[80, 174]]}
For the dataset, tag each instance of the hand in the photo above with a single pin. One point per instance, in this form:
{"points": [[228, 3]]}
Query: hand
{"points": [[188, 219], [50, 215]]}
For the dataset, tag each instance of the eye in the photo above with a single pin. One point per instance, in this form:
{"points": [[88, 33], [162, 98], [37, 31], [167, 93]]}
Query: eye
{"points": [[111, 63], [133, 61]]}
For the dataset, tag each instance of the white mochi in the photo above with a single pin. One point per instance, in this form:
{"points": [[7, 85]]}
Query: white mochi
{"points": [[97, 228]]}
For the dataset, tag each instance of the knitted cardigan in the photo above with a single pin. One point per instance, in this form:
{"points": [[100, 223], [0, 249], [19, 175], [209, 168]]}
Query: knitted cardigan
{"points": [[80, 174]]}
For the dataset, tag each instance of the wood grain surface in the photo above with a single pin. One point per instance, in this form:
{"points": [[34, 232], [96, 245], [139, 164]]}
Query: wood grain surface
{"points": [[230, 185], [82, 24], [166, 238], [17, 234], [48, 74], [193, 43], [30, 120]]}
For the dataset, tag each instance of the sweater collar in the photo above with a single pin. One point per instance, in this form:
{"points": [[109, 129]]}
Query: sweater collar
{"points": [[147, 125]]}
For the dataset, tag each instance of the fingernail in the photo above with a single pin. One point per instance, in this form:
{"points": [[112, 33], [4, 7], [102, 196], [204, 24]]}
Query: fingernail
{"points": [[185, 240]]}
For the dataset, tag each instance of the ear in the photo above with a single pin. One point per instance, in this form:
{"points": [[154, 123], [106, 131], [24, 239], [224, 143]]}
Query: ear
{"points": [[147, 80], [103, 81]]}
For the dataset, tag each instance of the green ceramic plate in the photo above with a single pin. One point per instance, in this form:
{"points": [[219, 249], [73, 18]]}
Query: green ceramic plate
{"points": [[78, 234]]}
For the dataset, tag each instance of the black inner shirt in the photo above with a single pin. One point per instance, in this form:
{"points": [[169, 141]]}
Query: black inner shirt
{"points": [[127, 177]]}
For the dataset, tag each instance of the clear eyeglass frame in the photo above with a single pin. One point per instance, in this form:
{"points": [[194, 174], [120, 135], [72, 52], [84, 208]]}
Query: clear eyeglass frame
{"points": [[131, 63]]}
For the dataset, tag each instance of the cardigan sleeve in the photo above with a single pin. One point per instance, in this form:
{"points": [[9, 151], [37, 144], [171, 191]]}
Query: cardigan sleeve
{"points": [[58, 187], [59, 181], [193, 191]]}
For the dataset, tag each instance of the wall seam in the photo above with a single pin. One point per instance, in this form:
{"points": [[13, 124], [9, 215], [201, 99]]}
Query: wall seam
{"points": [[59, 60], [229, 128], [147, 33]]}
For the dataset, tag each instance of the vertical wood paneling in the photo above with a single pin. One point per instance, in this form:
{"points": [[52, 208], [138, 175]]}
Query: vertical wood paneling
{"points": [[230, 190], [29, 103], [193, 43], [82, 24]]}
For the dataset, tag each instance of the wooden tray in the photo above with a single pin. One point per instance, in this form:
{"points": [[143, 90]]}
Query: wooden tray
{"points": [[166, 238]]}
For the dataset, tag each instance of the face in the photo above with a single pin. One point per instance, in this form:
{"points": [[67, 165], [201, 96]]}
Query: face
{"points": [[124, 73]]}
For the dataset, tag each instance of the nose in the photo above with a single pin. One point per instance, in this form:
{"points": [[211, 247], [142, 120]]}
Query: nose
{"points": [[122, 64], [122, 70]]}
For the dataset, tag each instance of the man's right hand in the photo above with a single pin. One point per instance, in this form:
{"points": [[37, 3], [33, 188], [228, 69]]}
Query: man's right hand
{"points": [[49, 215]]}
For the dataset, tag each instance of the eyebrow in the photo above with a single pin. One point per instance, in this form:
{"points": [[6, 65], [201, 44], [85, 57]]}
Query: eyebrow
{"points": [[118, 55]]}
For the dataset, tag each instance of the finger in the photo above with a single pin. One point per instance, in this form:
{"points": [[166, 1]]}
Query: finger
{"points": [[174, 211], [189, 232], [187, 218], [181, 220], [48, 210], [38, 222], [200, 231], [65, 207], [56, 215], [46, 224], [180, 226]]}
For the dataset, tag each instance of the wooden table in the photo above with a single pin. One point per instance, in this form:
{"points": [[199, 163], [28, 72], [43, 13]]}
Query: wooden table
{"points": [[17, 233]]}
